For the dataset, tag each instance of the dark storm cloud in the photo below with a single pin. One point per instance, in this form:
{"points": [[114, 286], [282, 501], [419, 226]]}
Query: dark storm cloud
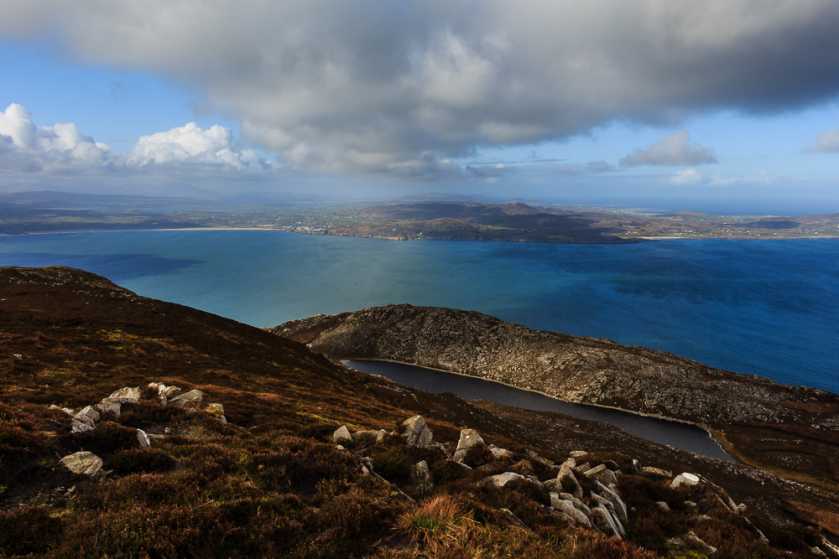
{"points": [[405, 87]]}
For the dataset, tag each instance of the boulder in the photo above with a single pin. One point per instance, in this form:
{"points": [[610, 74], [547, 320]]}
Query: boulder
{"points": [[603, 521], [342, 435], [615, 499], [81, 426], [500, 480], [607, 477], [577, 502], [684, 479], [567, 480], [188, 400], [500, 453], [416, 432], [597, 470], [656, 472], [570, 509], [581, 454], [662, 506], [469, 439], [143, 439], [68, 411], [106, 406], [691, 541], [83, 463], [126, 395], [217, 411], [87, 414], [421, 476]]}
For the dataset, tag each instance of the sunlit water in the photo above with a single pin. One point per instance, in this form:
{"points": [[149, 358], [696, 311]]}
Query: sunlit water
{"points": [[764, 307]]}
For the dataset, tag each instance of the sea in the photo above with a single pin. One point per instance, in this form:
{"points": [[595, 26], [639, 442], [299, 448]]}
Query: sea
{"points": [[769, 308]]}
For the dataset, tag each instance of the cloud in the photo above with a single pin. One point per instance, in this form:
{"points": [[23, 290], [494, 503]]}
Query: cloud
{"points": [[674, 149], [61, 149], [828, 142], [27, 147], [191, 144], [405, 87], [687, 177]]}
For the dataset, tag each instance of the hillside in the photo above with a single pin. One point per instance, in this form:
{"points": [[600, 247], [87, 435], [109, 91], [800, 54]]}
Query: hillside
{"points": [[793, 431], [131, 427]]}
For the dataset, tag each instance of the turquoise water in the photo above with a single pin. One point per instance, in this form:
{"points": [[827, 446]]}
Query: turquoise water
{"points": [[764, 307]]}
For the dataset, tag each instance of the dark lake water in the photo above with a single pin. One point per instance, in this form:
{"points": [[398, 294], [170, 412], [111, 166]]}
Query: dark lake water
{"points": [[763, 307], [680, 435]]}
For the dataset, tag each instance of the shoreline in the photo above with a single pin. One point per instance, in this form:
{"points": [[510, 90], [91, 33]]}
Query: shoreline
{"points": [[624, 240], [708, 431]]}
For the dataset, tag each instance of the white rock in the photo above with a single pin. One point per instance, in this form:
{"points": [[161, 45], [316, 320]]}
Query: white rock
{"points": [[604, 521], [500, 480], [87, 414], [82, 463], [421, 476], [81, 426], [662, 506], [126, 395], [143, 439], [568, 480], [68, 411], [684, 479], [217, 410], [190, 400], [342, 435], [469, 439], [500, 453], [615, 499]]}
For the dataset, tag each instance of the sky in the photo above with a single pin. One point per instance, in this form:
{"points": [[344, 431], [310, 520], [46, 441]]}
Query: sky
{"points": [[715, 105]]}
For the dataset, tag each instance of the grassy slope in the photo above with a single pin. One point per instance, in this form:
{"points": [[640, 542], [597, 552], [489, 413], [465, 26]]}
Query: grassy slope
{"points": [[270, 483]]}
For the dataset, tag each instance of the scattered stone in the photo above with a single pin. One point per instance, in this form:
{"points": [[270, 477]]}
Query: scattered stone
{"points": [[108, 406], [603, 521], [570, 509], [690, 504], [188, 400], [83, 463], [607, 476], [500, 480], [342, 435], [615, 499], [126, 395], [143, 439], [421, 476], [416, 432], [469, 439], [567, 480], [591, 472], [817, 551], [500, 453], [68, 411], [577, 502], [662, 506], [81, 426], [656, 472], [87, 414], [216, 410], [684, 479], [579, 453], [696, 542], [585, 466]]}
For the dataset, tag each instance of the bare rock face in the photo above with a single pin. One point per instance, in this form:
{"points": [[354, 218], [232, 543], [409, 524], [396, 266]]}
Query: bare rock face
{"points": [[416, 432], [83, 463], [469, 439], [188, 400]]}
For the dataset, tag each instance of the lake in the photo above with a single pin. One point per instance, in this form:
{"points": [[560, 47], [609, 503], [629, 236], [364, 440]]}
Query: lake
{"points": [[763, 307], [679, 435]]}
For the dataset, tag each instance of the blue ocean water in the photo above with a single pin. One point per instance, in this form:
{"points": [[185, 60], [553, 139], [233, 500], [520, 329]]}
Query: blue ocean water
{"points": [[763, 307]]}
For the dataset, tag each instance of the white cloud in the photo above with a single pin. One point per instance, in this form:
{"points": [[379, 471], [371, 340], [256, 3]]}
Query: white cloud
{"points": [[53, 148], [675, 149], [191, 144], [828, 142], [395, 86], [62, 149]]}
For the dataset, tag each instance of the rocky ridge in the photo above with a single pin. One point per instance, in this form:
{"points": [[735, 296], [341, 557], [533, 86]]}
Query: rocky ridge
{"points": [[593, 371]]}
